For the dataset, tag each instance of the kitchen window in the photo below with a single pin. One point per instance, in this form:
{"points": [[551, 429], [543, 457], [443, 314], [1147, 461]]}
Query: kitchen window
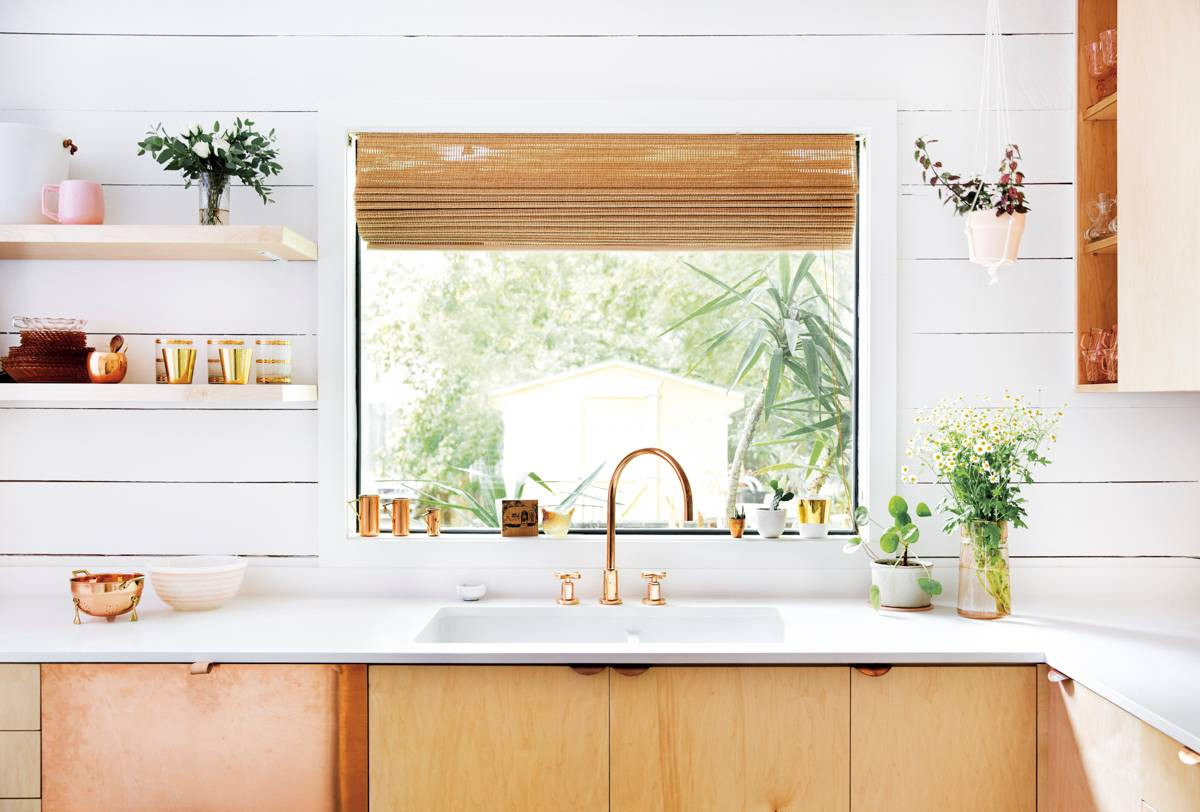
{"points": [[532, 308]]}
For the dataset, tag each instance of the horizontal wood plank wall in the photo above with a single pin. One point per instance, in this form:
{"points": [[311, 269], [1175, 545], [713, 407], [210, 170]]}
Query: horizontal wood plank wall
{"points": [[134, 64]]}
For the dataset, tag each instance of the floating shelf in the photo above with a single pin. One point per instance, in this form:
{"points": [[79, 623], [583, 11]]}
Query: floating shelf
{"points": [[154, 242], [1097, 387], [1108, 245], [1103, 110], [257, 395]]}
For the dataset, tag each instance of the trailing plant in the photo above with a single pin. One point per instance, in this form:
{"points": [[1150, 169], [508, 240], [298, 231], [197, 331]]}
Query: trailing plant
{"points": [[241, 152], [900, 536], [780, 495], [797, 350], [1005, 195]]}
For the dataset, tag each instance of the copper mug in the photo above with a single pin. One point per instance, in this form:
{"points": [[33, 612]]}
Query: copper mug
{"points": [[367, 511], [433, 522], [400, 517]]}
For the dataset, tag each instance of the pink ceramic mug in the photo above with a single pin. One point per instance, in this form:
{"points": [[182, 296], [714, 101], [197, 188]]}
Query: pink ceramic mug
{"points": [[80, 202]]}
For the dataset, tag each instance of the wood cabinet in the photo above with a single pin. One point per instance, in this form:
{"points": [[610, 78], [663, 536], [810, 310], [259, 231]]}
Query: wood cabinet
{"points": [[20, 741], [1088, 750], [944, 737], [1144, 278], [1168, 783], [731, 738], [494, 738], [236, 737]]}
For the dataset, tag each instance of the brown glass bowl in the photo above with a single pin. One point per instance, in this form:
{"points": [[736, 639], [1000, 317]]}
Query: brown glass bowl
{"points": [[106, 594]]}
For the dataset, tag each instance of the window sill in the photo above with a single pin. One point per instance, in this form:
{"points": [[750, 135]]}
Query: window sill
{"points": [[489, 551]]}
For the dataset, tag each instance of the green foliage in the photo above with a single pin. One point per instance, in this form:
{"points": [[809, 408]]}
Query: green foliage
{"points": [[779, 494], [241, 152], [1006, 195], [901, 535], [874, 597]]}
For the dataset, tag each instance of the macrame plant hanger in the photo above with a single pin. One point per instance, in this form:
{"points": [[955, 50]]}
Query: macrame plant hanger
{"points": [[993, 134]]}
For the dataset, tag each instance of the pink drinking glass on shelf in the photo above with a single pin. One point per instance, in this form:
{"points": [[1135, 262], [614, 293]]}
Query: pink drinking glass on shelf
{"points": [[1101, 71], [1108, 50]]}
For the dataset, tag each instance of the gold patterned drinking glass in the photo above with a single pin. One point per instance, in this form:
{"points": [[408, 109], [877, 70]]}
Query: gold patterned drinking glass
{"points": [[235, 364], [214, 357], [179, 359], [274, 361]]}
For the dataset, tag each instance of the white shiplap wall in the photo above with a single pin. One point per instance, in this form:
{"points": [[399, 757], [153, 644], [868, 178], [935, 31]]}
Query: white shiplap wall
{"points": [[85, 481]]}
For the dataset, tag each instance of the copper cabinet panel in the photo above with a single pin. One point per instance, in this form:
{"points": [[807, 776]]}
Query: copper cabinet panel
{"points": [[262, 737]]}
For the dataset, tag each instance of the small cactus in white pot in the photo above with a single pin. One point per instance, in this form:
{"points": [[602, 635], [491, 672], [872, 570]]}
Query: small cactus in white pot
{"points": [[903, 582]]}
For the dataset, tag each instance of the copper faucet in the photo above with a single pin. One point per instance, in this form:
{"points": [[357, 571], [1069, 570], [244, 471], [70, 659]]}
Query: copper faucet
{"points": [[611, 593]]}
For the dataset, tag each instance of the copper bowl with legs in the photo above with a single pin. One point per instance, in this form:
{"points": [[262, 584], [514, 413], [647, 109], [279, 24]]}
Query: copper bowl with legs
{"points": [[106, 594]]}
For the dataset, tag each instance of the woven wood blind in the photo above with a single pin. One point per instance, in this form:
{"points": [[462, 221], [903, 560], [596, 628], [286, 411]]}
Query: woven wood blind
{"points": [[653, 191]]}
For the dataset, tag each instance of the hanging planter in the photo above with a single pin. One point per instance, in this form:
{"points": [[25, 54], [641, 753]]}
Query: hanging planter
{"points": [[994, 210]]}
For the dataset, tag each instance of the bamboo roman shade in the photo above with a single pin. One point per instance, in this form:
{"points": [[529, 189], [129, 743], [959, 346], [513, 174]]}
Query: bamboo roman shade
{"points": [[651, 191]]}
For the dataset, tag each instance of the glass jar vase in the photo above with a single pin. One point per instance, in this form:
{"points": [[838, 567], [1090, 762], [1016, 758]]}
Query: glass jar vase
{"points": [[984, 580], [214, 199]]}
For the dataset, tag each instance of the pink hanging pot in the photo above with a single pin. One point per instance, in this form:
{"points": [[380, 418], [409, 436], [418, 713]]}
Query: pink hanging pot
{"points": [[993, 240]]}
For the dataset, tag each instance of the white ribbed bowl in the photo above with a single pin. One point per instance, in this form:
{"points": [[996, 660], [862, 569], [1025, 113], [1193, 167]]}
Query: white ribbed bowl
{"points": [[198, 582]]}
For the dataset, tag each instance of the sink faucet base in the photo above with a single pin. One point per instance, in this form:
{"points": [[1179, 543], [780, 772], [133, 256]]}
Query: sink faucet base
{"points": [[610, 594]]}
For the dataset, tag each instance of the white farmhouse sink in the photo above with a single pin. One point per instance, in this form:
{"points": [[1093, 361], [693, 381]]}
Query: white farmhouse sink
{"points": [[627, 624]]}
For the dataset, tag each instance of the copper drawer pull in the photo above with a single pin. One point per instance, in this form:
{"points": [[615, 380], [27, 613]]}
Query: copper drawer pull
{"points": [[587, 670], [200, 667], [1054, 675], [872, 670], [631, 670], [1189, 756]]}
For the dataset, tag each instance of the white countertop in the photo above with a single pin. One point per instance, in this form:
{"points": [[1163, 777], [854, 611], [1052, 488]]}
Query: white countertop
{"points": [[1146, 661]]}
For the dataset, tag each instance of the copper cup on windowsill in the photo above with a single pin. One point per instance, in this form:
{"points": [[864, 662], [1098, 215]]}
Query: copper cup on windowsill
{"points": [[106, 594]]}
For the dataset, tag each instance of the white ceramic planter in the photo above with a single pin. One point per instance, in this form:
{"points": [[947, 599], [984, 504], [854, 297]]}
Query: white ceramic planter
{"points": [[812, 517], [993, 240], [769, 523], [29, 157], [898, 587]]}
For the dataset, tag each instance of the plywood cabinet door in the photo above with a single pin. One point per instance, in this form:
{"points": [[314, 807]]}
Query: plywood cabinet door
{"points": [[262, 737], [494, 738], [1087, 750], [727, 739], [1158, 172], [944, 737], [1169, 783]]}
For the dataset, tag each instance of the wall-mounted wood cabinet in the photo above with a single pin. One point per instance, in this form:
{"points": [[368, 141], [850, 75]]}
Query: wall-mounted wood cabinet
{"points": [[1144, 279]]}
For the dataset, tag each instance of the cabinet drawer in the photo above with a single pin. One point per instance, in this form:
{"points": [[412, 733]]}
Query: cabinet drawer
{"points": [[1168, 785], [22, 805], [20, 703], [20, 764]]}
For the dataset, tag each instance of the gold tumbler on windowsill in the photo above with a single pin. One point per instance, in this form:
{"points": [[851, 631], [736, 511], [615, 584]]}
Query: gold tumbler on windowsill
{"points": [[235, 364]]}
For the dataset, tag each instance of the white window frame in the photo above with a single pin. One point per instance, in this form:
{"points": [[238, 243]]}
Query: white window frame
{"points": [[337, 544]]}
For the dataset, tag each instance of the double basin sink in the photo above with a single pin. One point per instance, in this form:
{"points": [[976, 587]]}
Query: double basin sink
{"points": [[622, 625]]}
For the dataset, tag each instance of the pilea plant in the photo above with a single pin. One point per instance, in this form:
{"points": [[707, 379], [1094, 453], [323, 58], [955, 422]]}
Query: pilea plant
{"points": [[900, 536], [1006, 195], [781, 494]]}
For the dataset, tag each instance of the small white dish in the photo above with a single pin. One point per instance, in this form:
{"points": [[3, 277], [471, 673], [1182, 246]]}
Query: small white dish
{"points": [[197, 583], [471, 592]]}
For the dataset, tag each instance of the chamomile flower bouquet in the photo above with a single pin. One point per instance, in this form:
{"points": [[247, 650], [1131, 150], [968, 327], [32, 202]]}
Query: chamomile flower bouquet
{"points": [[213, 159], [982, 455]]}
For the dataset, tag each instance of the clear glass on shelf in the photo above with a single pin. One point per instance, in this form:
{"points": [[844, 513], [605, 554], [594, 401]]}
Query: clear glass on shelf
{"points": [[1103, 213], [273, 360], [214, 199]]}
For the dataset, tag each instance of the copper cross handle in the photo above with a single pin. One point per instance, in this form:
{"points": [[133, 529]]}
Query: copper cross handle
{"points": [[654, 587], [566, 592]]}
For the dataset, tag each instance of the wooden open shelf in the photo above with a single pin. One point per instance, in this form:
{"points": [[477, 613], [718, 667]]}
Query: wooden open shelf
{"points": [[1095, 172], [154, 242], [1108, 245], [254, 395], [1103, 110]]}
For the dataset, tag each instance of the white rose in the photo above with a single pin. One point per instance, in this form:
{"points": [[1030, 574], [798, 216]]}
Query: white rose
{"points": [[220, 144], [193, 129], [201, 148]]}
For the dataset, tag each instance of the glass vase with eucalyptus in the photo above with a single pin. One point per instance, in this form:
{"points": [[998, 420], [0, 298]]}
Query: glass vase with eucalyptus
{"points": [[982, 455], [214, 198]]}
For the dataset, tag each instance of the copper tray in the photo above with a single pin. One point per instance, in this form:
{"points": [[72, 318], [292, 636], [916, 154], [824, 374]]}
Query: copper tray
{"points": [[106, 594]]}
